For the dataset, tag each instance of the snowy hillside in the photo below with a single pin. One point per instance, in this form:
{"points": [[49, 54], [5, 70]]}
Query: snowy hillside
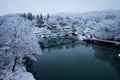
{"points": [[99, 24], [17, 41]]}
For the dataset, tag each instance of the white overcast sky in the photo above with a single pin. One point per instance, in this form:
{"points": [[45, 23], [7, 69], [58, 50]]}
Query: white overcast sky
{"points": [[55, 6]]}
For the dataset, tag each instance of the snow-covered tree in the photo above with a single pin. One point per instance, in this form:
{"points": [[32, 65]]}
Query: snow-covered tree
{"points": [[52, 21], [24, 15], [17, 40], [108, 29], [39, 21], [48, 16], [30, 16]]}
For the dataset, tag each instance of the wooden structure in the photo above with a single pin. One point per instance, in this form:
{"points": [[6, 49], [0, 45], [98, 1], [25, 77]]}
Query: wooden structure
{"points": [[105, 41]]}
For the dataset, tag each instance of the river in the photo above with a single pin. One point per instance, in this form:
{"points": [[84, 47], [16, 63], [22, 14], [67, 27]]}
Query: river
{"points": [[77, 61]]}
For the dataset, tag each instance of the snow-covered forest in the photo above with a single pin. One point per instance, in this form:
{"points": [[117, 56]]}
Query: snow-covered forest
{"points": [[101, 25], [20, 33], [17, 41]]}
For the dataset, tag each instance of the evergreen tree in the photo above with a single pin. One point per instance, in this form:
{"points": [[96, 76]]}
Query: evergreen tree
{"points": [[48, 16], [39, 22], [37, 17], [41, 17], [24, 15], [73, 28], [30, 16]]}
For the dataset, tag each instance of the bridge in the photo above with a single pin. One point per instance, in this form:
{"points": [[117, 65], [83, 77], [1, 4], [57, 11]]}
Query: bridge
{"points": [[105, 41]]}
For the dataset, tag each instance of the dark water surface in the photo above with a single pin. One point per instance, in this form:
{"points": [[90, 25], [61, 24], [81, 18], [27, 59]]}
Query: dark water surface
{"points": [[77, 61]]}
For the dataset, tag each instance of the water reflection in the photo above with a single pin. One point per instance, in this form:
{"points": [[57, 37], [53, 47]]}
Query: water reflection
{"points": [[108, 55], [56, 43], [78, 62]]}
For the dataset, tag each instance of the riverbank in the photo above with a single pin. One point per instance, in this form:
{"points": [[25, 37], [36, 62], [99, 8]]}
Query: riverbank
{"points": [[20, 74]]}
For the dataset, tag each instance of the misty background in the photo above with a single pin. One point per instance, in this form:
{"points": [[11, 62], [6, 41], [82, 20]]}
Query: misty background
{"points": [[56, 6]]}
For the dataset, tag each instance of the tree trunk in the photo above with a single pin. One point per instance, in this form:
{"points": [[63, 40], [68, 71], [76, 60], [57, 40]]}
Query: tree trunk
{"points": [[15, 61]]}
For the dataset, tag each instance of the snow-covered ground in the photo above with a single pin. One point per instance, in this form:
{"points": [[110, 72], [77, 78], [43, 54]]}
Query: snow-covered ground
{"points": [[19, 74]]}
